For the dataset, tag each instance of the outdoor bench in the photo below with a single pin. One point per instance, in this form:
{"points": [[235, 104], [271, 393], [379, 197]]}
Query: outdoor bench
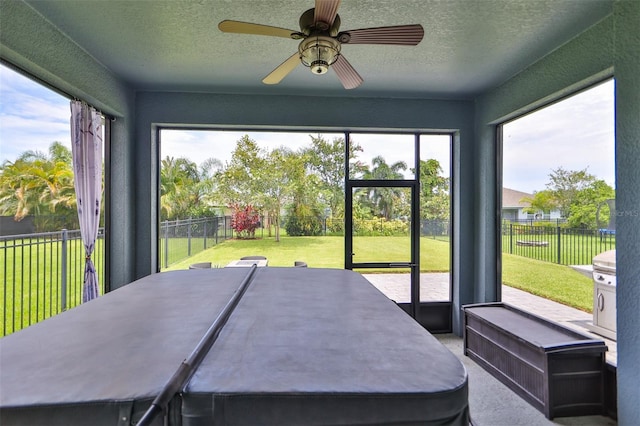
{"points": [[557, 370]]}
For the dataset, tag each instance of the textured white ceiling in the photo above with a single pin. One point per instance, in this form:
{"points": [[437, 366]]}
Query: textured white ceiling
{"points": [[469, 45]]}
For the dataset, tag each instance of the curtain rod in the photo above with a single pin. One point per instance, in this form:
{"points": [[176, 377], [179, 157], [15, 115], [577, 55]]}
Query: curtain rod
{"points": [[49, 86]]}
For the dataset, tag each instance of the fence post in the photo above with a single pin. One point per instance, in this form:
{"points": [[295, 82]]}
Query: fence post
{"points": [[559, 248], [189, 237], [511, 238], [166, 243], [63, 269], [204, 231]]}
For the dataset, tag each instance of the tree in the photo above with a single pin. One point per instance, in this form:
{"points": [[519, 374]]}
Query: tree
{"points": [[434, 191], [41, 185], [585, 205], [187, 190], [178, 176], [285, 169], [239, 182], [565, 185], [260, 178], [382, 200], [577, 194], [542, 201], [305, 210], [326, 161], [205, 190]]}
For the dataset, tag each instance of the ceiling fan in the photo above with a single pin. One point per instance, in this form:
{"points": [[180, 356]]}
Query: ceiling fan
{"points": [[321, 41]]}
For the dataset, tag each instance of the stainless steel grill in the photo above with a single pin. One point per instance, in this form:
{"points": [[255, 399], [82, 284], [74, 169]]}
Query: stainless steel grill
{"points": [[604, 294]]}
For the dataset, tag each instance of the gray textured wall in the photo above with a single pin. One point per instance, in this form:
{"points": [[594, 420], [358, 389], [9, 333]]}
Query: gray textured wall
{"points": [[627, 73]]}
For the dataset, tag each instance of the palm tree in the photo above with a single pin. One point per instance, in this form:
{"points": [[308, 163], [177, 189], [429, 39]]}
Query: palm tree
{"points": [[177, 178], [36, 184], [186, 189], [382, 200]]}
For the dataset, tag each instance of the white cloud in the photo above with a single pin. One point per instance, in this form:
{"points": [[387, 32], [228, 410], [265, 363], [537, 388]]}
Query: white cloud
{"points": [[574, 134], [31, 116]]}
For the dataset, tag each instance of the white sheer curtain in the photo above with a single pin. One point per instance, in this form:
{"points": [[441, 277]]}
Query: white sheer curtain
{"points": [[86, 147]]}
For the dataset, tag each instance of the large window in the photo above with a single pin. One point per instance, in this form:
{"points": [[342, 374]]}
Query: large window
{"points": [[268, 193], [41, 253], [558, 201], [435, 216], [281, 195]]}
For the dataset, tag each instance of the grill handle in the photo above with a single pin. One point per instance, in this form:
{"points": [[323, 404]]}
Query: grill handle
{"points": [[600, 302]]}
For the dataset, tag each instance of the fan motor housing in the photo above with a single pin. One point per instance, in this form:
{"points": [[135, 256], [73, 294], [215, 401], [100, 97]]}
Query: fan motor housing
{"points": [[318, 53]]}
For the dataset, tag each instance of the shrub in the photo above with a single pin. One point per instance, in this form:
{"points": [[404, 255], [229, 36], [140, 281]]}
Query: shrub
{"points": [[380, 227], [298, 226], [244, 220]]}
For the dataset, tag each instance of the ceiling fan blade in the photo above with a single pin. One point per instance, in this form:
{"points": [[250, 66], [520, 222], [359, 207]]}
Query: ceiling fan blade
{"points": [[404, 35], [325, 11], [347, 75], [258, 29], [282, 70]]}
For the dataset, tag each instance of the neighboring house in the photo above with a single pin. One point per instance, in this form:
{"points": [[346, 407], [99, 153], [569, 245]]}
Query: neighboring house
{"points": [[513, 207]]}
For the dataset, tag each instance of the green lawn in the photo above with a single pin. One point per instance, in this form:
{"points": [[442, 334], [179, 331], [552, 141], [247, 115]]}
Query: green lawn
{"points": [[321, 252], [552, 281], [32, 284], [549, 280]]}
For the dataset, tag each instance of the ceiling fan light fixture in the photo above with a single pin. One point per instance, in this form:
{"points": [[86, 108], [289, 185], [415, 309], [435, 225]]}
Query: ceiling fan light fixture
{"points": [[318, 53]]}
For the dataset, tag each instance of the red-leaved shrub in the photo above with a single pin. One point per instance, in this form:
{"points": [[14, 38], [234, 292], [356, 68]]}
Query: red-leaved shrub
{"points": [[244, 220]]}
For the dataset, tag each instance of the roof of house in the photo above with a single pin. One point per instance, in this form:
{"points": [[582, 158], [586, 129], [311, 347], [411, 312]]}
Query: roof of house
{"points": [[513, 199]]}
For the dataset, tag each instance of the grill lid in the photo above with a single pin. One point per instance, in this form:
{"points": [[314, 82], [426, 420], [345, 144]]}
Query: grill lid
{"points": [[605, 262]]}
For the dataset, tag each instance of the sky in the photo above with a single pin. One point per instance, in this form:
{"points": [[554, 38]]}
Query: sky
{"points": [[31, 116], [575, 134]]}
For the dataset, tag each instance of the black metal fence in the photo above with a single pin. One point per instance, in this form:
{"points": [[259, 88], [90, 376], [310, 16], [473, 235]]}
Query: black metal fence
{"points": [[43, 275], [557, 244], [180, 239]]}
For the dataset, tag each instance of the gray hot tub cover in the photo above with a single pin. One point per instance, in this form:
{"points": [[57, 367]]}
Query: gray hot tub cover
{"points": [[304, 346]]}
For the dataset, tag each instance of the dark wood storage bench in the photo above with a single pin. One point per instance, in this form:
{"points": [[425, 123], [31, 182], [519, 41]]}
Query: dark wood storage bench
{"points": [[557, 370]]}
